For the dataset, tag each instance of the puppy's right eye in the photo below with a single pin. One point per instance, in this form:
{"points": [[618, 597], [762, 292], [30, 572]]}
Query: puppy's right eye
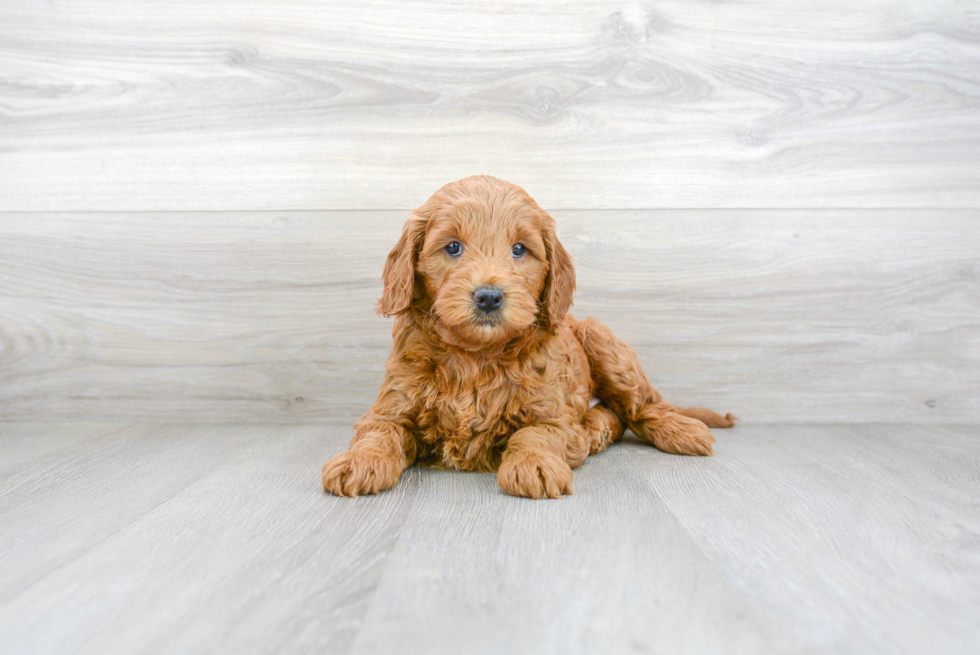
{"points": [[454, 249]]}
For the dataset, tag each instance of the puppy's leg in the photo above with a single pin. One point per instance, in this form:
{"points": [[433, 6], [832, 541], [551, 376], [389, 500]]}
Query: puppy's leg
{"points": [[603, 427], [622, 385], [535, 463], [379, 452]]}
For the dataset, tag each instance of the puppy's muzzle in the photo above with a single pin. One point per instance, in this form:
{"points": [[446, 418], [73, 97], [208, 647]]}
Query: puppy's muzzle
{"points": [[488, 298]]}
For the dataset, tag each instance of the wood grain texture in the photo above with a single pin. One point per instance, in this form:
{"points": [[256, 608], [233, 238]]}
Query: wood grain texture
{"points": [[803, 539], [606, 570], [24, 448], [868, 536], [58, 505], [249, 555], [588, 104], [820, 316]]}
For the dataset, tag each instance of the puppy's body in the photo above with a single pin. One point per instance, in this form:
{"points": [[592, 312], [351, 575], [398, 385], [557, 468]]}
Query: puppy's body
{"points": [[488, 372], [466, 405]]}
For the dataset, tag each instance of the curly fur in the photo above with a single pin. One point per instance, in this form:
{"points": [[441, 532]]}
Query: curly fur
{"points": [[512, 393]]}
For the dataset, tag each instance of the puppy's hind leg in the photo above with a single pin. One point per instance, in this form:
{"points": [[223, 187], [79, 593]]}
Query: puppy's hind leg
{"points": [[622, 385]]}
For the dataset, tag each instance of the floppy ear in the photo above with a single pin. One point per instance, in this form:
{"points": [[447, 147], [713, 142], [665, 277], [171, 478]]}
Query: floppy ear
{"points": [[399, 273], [560, 283]]}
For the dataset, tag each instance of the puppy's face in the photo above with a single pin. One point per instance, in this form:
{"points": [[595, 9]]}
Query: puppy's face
{"points": [[484, 267], [481, 259]]}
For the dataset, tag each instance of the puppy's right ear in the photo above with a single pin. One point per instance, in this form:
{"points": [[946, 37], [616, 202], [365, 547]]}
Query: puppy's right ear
{"points": [[399, 273]]}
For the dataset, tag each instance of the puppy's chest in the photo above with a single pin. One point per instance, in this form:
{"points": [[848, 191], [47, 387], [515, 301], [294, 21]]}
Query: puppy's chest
{"points": [[464, 422]]}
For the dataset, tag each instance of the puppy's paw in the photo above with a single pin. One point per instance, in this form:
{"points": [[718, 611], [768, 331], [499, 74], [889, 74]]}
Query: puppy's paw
{"points": [[359, 472], [673, 433], [535, 475]]}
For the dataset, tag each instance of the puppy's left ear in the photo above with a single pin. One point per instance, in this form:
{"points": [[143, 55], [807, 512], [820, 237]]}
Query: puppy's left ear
{"points": [[399, 273], [560, 283]]}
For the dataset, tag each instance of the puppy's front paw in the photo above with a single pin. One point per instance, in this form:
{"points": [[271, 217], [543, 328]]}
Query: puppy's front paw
{"points": [[535, 475], [359, 472]]}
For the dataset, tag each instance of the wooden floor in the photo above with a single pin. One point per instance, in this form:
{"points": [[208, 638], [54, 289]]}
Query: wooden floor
{"points": [[128, 538]]}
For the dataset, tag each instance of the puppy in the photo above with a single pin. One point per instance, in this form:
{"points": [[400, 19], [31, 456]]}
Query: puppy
{"points": [[488, 371]]}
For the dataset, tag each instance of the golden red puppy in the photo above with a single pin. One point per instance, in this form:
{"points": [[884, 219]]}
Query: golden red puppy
{"points": [[488, 371]]}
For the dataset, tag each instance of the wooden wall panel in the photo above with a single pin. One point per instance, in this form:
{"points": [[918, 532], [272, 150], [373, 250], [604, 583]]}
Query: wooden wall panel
{"points": [[815, 315], [252, 105], [775, 202]]}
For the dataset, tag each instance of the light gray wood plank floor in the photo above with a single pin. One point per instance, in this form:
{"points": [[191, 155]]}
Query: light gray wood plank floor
{"points": [[152, 538]]}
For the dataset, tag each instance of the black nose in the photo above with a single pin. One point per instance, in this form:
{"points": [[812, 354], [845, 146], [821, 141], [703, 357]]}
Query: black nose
{"points": [[488, 298]]}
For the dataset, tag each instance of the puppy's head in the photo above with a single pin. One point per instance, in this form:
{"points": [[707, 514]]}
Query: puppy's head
{"points": [[482, 259]]}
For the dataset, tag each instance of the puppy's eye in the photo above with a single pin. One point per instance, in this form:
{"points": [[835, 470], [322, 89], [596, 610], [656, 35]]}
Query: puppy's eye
{"points": [[454, 249], [518, 250]]}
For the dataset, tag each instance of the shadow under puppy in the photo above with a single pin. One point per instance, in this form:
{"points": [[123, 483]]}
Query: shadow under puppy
{"points": [[488, 371]]}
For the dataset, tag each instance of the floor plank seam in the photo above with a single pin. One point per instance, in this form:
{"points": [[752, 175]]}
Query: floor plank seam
{"points": [[399, 534], [128, 522]]}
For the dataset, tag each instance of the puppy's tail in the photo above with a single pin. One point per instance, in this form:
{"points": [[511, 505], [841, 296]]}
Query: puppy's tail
{"points": [[708, 417]]}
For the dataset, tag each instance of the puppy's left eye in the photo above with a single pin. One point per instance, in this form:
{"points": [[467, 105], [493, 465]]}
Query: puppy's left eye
{"points": [[518, 250]]}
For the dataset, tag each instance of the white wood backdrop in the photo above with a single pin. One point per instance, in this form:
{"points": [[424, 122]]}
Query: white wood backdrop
{"points": [[305, 104], [775, 202], [816, 315]]}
